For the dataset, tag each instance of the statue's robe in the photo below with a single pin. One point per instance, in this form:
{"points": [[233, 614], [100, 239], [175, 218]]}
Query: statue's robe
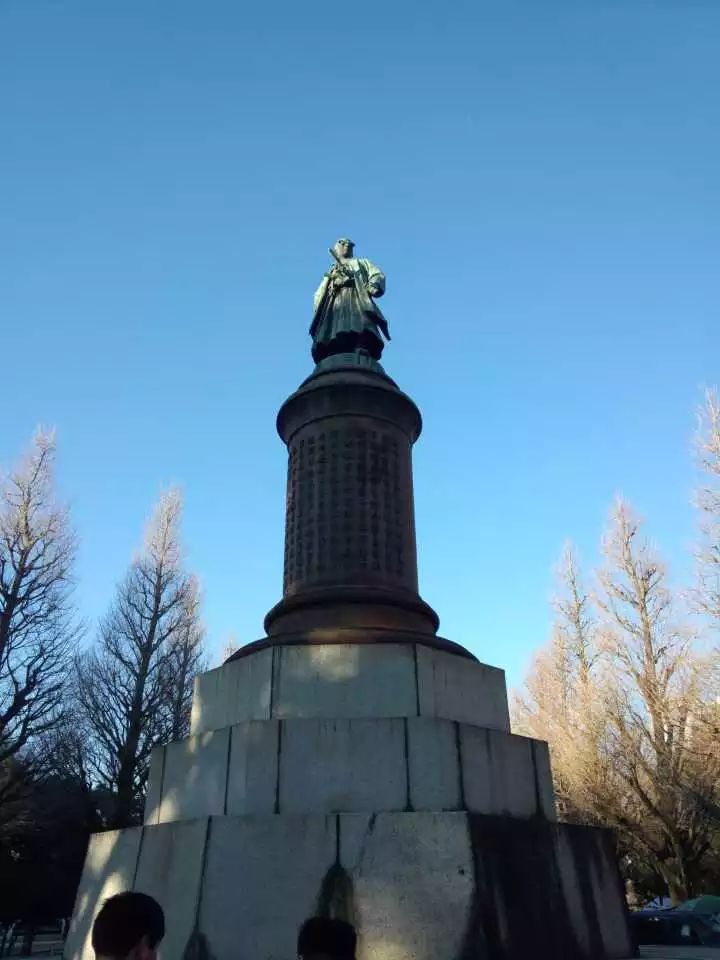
{"points": [[347, 318]]}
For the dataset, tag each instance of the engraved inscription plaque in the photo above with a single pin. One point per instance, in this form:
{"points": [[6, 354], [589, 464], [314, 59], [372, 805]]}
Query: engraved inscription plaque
{"points": [[349, 507]]}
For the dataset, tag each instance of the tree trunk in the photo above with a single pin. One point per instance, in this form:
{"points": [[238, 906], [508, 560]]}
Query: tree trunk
{"points": [[674, 876]]}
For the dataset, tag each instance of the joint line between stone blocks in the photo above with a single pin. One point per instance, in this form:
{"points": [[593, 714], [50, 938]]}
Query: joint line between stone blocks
{"points": [[461, 773], [408, 804], [271, 703], [137, 859], [227, 769], [417, 679], [162, 784], [201, 882], [539, 812], [277, 771]]}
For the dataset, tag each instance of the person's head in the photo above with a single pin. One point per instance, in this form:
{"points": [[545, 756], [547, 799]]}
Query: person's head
{"points": [[323, 939], [344, 247], [129, 926]]}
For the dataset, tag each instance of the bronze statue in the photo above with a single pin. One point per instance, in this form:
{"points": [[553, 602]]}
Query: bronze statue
{"points": [[346, 317]]}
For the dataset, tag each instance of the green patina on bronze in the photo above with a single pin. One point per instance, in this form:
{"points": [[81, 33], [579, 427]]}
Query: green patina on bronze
{"points": [[346, 319]]}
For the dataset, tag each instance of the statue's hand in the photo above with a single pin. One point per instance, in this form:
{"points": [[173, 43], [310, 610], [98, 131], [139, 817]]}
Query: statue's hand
{"points": [[373, 290]]}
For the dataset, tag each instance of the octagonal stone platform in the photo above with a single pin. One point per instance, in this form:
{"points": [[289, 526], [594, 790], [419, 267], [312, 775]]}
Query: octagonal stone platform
{"points": [[385, 727], [350, 680], [380, 783], [402, 763], [418, 886]]}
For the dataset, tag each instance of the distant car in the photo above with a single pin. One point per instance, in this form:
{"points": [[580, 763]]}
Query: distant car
{"points": [[659, 903], [673, 928]]}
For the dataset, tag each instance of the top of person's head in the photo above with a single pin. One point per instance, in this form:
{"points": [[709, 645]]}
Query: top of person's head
{"points": [[321, 937], [128, 925]]}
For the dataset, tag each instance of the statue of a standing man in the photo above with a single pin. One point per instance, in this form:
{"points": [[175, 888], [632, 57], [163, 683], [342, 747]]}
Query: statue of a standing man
{"points": [[346, 317]]}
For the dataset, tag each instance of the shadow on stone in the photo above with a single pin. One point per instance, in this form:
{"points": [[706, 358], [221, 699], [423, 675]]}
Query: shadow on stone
{"points": [[197, 947], [336, 899]]}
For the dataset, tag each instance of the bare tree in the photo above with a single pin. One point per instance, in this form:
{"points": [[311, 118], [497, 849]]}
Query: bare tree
{"points": [[664, 771], [626, 704], [230, 647], [707, 592], [38, 629], [561, 702], [185, 659], [133, 686], [576, 616]]}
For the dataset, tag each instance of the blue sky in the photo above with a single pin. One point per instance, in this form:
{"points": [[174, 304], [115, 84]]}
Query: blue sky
{"points": [[538, 180]]}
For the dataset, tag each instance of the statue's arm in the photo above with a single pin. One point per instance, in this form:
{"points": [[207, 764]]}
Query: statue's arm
{"points": [[375, 279], [320, 292]]}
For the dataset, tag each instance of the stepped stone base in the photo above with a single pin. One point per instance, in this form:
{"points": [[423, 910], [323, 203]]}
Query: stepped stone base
{"points": [[418, 886], [378, 782], [350, 680], [331, 766]]}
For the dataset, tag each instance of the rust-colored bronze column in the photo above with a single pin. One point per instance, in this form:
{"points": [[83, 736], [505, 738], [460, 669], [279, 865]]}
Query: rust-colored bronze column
{"points": [[350, 552]]}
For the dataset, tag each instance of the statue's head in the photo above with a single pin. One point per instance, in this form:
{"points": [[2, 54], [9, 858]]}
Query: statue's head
{"points": [[344, 247]]}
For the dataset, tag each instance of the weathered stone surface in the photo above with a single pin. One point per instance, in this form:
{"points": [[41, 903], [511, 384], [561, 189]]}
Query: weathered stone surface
{"points": [[344, 681], [544, 781], [355, 764], [154, 786], [418, 886], [526, 902], [586, 926], [350, 680], [170, 869], [412, 883], [500, 775], [598, 853], [433, 764], [263, 877], [253, 773], [109, 868], [195, 776], [459, 689], [237, 691], [332, 765]]}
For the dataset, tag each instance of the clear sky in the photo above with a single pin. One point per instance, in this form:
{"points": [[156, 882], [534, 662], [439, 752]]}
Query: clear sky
{"points": [[540, 182]]}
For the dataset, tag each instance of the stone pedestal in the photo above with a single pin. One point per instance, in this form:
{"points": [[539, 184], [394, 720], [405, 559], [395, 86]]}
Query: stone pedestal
{"points": [[350, 552], [353, 763]]}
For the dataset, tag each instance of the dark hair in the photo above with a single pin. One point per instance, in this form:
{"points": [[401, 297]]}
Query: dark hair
{"points": [[123, 921], [334, 938]]}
